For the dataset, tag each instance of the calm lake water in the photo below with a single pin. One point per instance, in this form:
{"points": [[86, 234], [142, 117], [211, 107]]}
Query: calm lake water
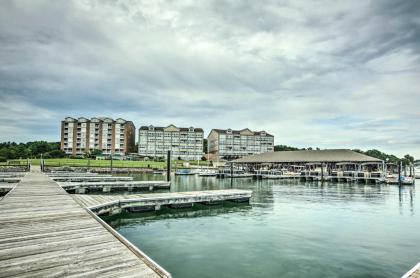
{"points": [[290, 229]]}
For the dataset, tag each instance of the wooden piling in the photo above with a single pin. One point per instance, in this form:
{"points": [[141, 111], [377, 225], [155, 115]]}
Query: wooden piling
{"points": [[168, 167], [399, 173]]}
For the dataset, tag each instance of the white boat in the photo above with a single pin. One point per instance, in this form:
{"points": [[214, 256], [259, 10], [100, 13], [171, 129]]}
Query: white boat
{"points": [[207, 173], [273, 175], [235, 173], [184, 172]]}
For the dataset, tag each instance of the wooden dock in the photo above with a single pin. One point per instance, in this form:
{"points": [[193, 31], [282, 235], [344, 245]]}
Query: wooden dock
{"points": [[12, 174], [74, 174], [10, 180], [82, 178], [413, 273], [45, 233], [113, 204], [107, 186]]}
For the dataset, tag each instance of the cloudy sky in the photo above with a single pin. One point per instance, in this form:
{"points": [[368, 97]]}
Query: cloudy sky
{"points": [[329, 74]]}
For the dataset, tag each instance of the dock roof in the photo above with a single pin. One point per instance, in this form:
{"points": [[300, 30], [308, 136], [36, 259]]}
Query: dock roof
{"points": [[307, 156]]}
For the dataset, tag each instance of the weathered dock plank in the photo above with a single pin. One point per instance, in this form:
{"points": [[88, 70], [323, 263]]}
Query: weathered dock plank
{"points": [[45, 233]]}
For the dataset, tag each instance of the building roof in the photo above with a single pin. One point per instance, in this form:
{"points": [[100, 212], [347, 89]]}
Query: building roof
{"points": [[242, 131], [96, 119], [161, 128], [307, 156]]}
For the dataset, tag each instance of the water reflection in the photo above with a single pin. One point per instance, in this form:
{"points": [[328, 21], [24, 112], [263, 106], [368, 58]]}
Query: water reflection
{"points": [[265, 191], [406, 195], [134, 219]]}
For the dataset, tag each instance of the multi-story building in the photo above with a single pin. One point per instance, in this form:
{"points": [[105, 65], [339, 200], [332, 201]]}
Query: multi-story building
{"points": [[231, 144], [184, 143], [81, 136]]}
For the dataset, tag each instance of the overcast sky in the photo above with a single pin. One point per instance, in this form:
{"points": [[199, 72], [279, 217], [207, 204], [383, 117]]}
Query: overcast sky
{"points": [[329, 74]]}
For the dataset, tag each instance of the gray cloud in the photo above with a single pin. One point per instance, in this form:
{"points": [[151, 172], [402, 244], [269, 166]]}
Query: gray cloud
{"points": [[324, 73]]}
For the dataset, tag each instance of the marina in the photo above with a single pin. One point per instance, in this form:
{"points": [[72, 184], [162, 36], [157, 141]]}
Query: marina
{"points": [[210, 139]]}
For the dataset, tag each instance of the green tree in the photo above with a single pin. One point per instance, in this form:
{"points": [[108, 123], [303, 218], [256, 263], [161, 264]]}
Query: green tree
{"points": [[279, 148], [205, 146]]}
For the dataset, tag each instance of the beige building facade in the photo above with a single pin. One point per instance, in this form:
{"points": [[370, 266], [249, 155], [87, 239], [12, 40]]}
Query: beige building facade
{"points": [[227, 144], [113, 137], [184, 143]]}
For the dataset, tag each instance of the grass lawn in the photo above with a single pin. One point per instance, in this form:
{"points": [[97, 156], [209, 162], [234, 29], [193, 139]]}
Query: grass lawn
{"points": [[104, 163]]}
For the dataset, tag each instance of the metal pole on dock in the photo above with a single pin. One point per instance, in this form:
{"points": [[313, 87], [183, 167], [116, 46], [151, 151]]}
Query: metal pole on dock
{"points": [[168, 166], [322, 172]]}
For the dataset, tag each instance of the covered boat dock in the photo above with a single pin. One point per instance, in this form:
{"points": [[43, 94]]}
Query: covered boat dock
{"points": [[317, 165]]}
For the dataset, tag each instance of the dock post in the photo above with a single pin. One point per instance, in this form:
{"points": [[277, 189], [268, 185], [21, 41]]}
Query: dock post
{"points": [[168, 167], [399, 172], [111, 164], [322, 172], [231, 174], [42, 164]]}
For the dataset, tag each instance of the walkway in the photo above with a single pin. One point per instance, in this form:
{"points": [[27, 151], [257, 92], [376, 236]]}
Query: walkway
{"points": [[45, 233]]}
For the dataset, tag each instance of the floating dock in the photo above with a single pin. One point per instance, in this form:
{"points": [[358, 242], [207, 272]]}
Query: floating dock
{"points": [[110, 186], [10, 180], [113, 204], [82, 178], [12, 174], [74, 174], [45, 233]]}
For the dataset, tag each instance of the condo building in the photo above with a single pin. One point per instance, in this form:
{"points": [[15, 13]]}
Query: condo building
{"points": [[232, 144], [113, 137], [184, 143]]}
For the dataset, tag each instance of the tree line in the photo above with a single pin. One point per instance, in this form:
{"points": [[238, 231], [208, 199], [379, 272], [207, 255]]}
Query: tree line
{"points": [[12, 150]]}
